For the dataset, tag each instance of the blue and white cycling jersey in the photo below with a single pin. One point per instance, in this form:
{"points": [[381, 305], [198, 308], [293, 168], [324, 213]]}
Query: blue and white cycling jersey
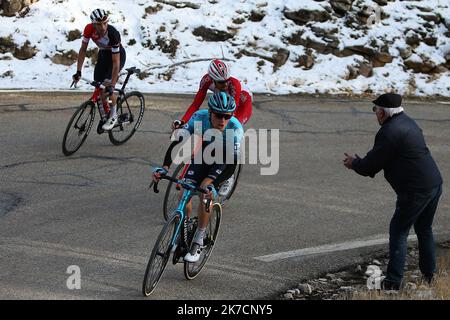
{"points": [[231, 136]]}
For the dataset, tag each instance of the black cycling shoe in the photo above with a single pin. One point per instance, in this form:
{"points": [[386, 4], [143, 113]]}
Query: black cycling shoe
{"points": [[124, 118], [100, 125]]}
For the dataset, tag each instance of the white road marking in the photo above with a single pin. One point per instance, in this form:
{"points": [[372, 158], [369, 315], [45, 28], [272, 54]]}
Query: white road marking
{"points": [[328, 248]]}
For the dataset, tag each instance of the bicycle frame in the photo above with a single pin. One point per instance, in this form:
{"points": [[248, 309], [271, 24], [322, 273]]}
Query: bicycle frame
{"points": [[96, 95], [187, 195]]}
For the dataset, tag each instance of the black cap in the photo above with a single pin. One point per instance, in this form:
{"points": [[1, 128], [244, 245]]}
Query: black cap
{"points": [[388, 100]]}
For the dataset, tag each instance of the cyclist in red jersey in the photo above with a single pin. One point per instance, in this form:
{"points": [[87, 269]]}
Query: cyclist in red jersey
{"points": [[111, 59], [218, 79]]}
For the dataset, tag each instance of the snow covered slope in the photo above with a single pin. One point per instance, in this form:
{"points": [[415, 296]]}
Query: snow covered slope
{"points": [[277, 46]]}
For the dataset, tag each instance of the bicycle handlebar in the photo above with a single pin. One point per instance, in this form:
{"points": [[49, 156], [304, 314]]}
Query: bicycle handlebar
{"points": [[96, 84], [129, 72], [184, 185]]}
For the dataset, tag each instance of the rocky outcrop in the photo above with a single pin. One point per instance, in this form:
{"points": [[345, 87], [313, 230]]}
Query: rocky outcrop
{"points": [[419, 64], [256, 16], [65, 58], [305, 61], [25, 52], [7, 45], [208, 34], [364, 69], [168, 45], [12, 7], [73, 35], [341, 7], [278, 58], [180, 4], [303, 16], [92, 54]]}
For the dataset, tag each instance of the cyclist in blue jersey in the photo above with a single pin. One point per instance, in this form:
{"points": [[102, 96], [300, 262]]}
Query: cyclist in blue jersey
{"points": [[219, 116]]}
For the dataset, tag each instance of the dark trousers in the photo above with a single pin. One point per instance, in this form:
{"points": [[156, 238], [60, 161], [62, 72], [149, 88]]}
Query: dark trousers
{"points": [[418, 209]]}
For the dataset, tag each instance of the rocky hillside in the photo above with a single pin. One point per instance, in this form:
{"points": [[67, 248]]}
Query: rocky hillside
{"points": [[280, 46]]}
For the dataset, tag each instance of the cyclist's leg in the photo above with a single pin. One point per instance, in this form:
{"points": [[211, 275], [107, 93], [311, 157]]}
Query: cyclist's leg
{"points": [[225, 175], [244, 110], [203, 215], [194, 175], [123, 58], [101, 73]]}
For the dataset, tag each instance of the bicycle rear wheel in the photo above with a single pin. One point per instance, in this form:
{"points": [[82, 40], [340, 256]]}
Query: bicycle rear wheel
{"points": [[130, 110], [78, 128], [237, 173], [191, 270], [171, 197], [159, 256]]}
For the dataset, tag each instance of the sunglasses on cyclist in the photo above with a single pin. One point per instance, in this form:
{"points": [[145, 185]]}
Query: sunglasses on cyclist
{"points": [[220, 82], [103, 19], [374, 108], [225, 116]]}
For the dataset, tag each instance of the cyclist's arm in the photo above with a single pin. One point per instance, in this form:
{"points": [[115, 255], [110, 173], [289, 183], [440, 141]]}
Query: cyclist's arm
{"points": [[168, 157], [115, 68], [180, 135], [198, 100], [236, 90], [82, 55], [114, 38]]}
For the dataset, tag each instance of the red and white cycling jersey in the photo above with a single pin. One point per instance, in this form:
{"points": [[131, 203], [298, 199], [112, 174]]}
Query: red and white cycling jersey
{"points": [[109, 41], [242, 98]]}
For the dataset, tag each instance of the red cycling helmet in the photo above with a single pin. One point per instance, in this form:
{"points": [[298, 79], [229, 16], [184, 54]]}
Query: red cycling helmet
{"points": [[218, 70]]}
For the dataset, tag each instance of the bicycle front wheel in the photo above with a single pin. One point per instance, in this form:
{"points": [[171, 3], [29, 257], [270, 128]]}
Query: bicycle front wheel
{"points": [[130, 111], [171, 197], [159, 256], [191, 270], [78, 128]]}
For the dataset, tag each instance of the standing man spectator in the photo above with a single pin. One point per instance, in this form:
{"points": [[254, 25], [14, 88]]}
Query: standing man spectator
{"points": [[400, 151]]}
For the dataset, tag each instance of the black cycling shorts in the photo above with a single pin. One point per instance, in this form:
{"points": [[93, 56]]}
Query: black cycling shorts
{"points": [[196, 173], [103, 67]]}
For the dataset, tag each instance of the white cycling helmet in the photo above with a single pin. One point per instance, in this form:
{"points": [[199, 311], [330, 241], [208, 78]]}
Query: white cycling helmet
{"points": [[99, 15], [219, 70]]}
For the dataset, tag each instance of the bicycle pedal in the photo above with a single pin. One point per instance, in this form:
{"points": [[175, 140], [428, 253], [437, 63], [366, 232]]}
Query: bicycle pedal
{"points": [[100, 125], [124, 118]]}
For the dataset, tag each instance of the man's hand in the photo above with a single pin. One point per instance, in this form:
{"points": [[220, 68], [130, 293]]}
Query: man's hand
{"points": [[212, 192], [349, 160], [176, 124], [158, 172], [76, 77], [109, 90]]}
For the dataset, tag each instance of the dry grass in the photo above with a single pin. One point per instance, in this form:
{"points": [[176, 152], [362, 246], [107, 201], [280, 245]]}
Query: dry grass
{"points": [[438, 290], [442, 284]]}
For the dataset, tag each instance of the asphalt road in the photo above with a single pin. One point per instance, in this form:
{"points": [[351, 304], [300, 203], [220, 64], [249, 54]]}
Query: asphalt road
{"points": [[93, 209]]}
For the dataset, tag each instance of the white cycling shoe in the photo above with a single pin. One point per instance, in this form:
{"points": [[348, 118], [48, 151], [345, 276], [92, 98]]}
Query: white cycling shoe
{"points": [[110, 123], [194, 254], [226, 187]]}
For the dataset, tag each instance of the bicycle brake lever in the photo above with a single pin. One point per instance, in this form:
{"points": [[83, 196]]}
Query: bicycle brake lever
{"points": [[207, 203], [155, 187]]}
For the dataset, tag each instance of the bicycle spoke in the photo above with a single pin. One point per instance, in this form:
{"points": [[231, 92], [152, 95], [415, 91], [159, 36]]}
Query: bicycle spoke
{"points": [[130, 111], [159, 257], [78, 128], [191, 270]]}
